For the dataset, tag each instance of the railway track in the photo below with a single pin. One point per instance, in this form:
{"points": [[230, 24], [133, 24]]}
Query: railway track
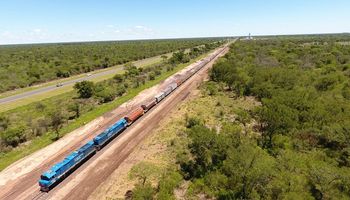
{"points": [[40, 196]]}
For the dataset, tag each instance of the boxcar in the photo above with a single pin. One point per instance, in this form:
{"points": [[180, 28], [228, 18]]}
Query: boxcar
{"points": [[178, 81], [173, 86], [63, 168], [134, 115], [106, 135], [149, 105], [160, 96], [167, 90]]}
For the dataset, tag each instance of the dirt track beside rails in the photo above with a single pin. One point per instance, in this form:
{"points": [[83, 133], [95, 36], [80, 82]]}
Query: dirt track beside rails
{"points": [[19, 181]]}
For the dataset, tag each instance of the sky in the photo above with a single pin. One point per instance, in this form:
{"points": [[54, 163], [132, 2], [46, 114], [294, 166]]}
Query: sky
{"points": [[45, 21]]}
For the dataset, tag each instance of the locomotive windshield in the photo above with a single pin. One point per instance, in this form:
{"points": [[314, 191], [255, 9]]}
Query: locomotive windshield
{"points": [[44, 178]]}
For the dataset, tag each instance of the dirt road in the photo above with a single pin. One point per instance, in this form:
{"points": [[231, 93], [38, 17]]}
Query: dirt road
{"points": [[19, 181]]}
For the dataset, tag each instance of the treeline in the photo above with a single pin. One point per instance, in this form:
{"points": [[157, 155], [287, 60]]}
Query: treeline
{"points": [[51, 115], [26, 65], [296, 145]]}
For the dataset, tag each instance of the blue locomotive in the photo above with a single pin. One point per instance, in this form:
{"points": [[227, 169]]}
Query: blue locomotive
{"points": [[72, 161], [109, 133], [62, 169]]}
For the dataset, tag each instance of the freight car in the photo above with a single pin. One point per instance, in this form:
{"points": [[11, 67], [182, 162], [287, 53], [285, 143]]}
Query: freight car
{"points": [[62, 169], [160, 96], [134, 115], [167, 90], [149, 105]]}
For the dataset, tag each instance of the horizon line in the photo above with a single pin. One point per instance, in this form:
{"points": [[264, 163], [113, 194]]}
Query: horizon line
{"points": [[171, 38]]}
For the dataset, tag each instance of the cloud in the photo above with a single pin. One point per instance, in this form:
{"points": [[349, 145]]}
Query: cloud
{"points": [[43, 35], [6, 33], [140, 31], [37, 30], [144, 28]]}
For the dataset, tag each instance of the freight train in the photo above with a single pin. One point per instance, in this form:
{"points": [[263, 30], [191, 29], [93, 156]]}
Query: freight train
{"points": [[62, 169]]}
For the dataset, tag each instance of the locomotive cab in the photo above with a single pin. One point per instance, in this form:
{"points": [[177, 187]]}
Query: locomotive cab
{"points": [[45, 182]]}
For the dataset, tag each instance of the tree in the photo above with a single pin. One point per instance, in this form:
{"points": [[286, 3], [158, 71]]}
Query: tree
{"points": [[142, 171], [164, 58], [14, 135], [249, 170], [75, 107], [105, 95], [192, 121], [118, 78], [326, 82], [85, 89], [208, 150], [212, 89], [57, 120], [168, 182], [143, 192], [244, 118], [152, 75], [275, 117], [4, 122], [346, 91], [39, 126], [179, 57], [131, 70]]}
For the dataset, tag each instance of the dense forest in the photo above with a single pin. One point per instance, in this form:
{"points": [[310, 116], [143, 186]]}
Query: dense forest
{"points": [[298, 143], [26, 65], [46, 119]]}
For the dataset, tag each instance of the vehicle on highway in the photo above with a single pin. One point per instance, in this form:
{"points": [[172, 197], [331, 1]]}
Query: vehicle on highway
{"points": [[89, 74], [59, 85], [62, 169]]}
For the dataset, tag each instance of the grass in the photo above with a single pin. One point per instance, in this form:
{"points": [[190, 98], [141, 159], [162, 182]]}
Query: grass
{"points": [[8, 158]]}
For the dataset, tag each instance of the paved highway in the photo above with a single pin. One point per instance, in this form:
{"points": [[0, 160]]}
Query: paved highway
{"points": [[54, 87]]}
